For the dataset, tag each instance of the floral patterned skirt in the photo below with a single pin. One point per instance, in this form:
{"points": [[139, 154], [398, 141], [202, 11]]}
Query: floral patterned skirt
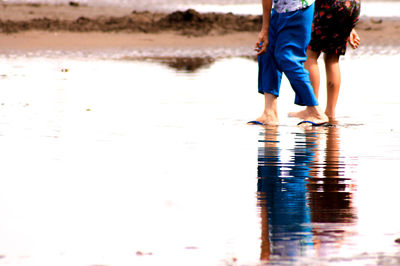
{"points": [[333, 21]]}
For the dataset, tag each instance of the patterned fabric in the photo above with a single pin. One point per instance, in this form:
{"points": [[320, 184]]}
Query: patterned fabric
{"points": [[283, 6], [332, 24]]}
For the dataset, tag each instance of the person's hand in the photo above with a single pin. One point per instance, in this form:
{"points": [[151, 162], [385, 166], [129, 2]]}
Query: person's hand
{"points": [[354, 39], [262, 42]]}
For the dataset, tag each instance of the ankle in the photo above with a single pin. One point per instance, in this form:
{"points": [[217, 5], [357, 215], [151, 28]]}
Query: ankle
{"points": [[316, 110], [270, 112], [330, 114]]}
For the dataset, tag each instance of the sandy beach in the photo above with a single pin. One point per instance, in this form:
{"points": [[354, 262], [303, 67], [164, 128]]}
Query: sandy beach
{"points": [[40, 26], [115, 154], [129, 162]]}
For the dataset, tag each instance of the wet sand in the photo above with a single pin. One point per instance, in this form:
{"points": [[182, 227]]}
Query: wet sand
{"points": [[105, 164], [30, 40], [37, 26]]}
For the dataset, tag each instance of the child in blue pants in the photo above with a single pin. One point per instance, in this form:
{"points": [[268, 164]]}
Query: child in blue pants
{"points": [[281, 47]]}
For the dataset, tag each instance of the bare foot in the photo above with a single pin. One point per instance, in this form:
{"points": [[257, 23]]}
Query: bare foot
{"points": [[316, 115], [311, 113], [270, 114], [332, 119], [268, 118], [301, 114]]}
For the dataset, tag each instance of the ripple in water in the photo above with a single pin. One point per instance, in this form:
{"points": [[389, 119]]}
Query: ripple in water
{"points": [[304, 194]]}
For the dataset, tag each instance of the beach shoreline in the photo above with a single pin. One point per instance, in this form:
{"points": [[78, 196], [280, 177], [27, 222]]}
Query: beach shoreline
{"points": [[27, 27], [45, 40]]}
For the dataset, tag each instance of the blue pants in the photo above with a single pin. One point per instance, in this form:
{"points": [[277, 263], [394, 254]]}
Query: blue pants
{"points": [[289, 35]]}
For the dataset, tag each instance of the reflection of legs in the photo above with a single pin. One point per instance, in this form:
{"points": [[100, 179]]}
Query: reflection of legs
{"points": [[281, 196], [332, 153], [268, 162], [333, 80], [331, 197], [265, 242]]}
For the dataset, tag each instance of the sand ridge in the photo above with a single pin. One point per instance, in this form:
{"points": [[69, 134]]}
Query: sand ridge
{"points": [[58, 26], [87, 19]]}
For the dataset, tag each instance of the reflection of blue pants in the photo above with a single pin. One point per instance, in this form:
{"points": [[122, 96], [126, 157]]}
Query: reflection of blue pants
{"points": [[289, 35]]}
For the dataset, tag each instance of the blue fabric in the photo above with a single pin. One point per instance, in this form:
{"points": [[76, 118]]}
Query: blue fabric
{"points": [[282, 188], [289, 35]]}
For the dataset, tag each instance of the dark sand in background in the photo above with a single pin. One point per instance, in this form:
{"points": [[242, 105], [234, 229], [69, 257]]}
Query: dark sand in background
{"points": [[35, 26]]}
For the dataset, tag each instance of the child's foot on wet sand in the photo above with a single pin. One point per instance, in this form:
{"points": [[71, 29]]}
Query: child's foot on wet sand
{"points": [[311, 113], [266, 119], [301, 114]]}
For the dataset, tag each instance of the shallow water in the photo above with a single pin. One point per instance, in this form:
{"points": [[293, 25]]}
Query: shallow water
{"points": [[128, 162], [199, 56]]}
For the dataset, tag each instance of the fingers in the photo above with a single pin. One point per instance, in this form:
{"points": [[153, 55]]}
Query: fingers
{"points": [[355, 43], [261, 47], [354, 40], [262, 50]]}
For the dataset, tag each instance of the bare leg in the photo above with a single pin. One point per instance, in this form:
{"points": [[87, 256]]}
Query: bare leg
{"points": [[270, 114], [333, 80], [312, 113], [312, 66]]}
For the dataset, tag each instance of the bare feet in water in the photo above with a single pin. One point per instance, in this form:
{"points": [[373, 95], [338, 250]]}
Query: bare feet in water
{"points": [[270, 114], [269, 118], [311, 113], [301, 114]]}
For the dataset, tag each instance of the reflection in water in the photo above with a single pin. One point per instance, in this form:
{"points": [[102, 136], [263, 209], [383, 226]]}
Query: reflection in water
{"points": [[188, 64], [184, 64], [302, 197], [330, 195]]}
